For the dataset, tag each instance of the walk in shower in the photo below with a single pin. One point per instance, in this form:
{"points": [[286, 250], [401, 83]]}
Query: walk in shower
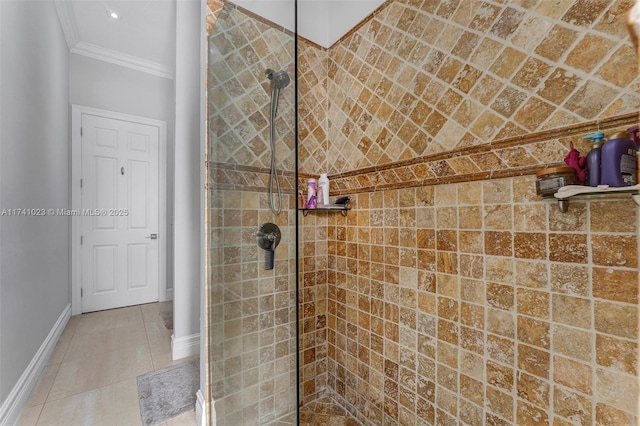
{"points": [[450, 293], [251, 289]]}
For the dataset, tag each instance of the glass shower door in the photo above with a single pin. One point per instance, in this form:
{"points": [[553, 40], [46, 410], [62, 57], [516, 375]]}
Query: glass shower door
{"points": [[251, 366]]}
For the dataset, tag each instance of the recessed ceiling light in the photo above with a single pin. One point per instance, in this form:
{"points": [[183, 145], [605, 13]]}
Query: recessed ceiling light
{"points": [[113, 14]]}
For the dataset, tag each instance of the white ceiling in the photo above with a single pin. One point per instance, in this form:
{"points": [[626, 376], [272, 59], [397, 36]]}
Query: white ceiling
{"points": [[322, 21], [143, 38]]}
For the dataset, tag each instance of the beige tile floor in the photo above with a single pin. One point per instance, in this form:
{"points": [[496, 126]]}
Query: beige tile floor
{"points": [[325, 412], [91, 376]]}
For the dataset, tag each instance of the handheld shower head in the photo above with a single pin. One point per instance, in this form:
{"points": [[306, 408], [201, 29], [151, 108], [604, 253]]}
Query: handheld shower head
{"points": [[279, 79]]}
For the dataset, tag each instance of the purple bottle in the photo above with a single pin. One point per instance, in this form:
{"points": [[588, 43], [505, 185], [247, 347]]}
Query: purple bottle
{"points": [[619, 159], [311, 193], [594, 159]]}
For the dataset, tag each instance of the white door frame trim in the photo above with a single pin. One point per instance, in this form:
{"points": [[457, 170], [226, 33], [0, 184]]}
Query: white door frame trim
{"points": [[76, 197]]}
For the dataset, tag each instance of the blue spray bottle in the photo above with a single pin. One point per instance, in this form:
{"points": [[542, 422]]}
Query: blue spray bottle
{"points": [[594, 159]]}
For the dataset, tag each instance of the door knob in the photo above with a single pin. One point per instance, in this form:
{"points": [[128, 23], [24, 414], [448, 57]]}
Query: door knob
{"points": [[152, 237]]}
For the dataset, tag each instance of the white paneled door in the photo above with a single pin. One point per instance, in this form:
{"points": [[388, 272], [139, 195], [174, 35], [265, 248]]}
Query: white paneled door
{"points": [[120, 213]]}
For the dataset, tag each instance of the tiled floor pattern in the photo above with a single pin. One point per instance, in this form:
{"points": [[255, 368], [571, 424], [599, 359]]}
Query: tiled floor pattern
{"points": [[322, 412], [91, 378], [325, 412]]}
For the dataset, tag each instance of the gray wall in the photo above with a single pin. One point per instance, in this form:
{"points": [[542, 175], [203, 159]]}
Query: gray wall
{"points": [[39, 81], [103, 85], [100, 84], [34, 173]]}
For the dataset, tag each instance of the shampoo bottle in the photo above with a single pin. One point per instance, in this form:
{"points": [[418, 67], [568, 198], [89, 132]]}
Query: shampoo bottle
{"points": [[323, 190], [619, 158], [311, 193], [634, 137], [594, 159]]}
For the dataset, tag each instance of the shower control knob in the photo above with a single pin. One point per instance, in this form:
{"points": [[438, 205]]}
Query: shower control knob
{"points": [[270, 260], [268, 239]]}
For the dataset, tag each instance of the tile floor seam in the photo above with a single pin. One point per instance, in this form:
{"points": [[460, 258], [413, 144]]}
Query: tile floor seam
{"points": [[46, 399], [96, 323], [146, 333]]}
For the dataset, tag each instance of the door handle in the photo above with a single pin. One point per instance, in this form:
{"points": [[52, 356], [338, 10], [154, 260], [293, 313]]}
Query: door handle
{"points": [[152, 237]]}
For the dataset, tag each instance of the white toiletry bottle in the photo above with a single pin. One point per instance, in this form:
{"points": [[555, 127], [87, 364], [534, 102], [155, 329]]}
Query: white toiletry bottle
{"points": [[323, 190]]}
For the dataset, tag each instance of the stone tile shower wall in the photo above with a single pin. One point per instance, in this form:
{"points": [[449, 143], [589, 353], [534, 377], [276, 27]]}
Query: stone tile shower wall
{"points": [[455, 295], [241, 47], [476, 303], [252, 352], [251, 312], [426, 77]]}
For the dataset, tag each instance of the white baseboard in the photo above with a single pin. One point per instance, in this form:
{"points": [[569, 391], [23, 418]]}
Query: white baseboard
{"points": [[166, 295], [202, 411], [13, 405], [182, 347]]}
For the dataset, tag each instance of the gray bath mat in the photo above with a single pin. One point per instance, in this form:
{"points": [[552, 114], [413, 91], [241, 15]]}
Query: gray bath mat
{"points": [[166, 393]]}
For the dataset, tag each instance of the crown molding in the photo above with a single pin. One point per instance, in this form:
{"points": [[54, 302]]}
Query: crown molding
{"points": [[68, 22], [72, 35], [122, 59]]}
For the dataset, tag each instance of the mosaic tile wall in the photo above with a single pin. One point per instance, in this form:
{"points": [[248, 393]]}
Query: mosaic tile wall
{"points": [[251, 312], [451, 294], [477, 303], [241, 48], [426, 77], [454, 294]]}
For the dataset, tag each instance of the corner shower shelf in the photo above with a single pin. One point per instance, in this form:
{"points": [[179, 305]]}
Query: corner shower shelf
{"points": [[566, 192], [343, 208]]}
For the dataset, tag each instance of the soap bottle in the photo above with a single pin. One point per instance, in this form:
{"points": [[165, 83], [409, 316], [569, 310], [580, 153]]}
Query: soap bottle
{"points": [[594, 159], [634, 137], [619, 161], [323, 190], [311, 193]]}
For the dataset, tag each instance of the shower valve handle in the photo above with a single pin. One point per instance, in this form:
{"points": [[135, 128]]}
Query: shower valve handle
{"points": [[268, 239], [271, 254]]}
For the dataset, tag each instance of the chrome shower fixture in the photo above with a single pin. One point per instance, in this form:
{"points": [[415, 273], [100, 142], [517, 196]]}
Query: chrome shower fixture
{"points": [[280, 79]]}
